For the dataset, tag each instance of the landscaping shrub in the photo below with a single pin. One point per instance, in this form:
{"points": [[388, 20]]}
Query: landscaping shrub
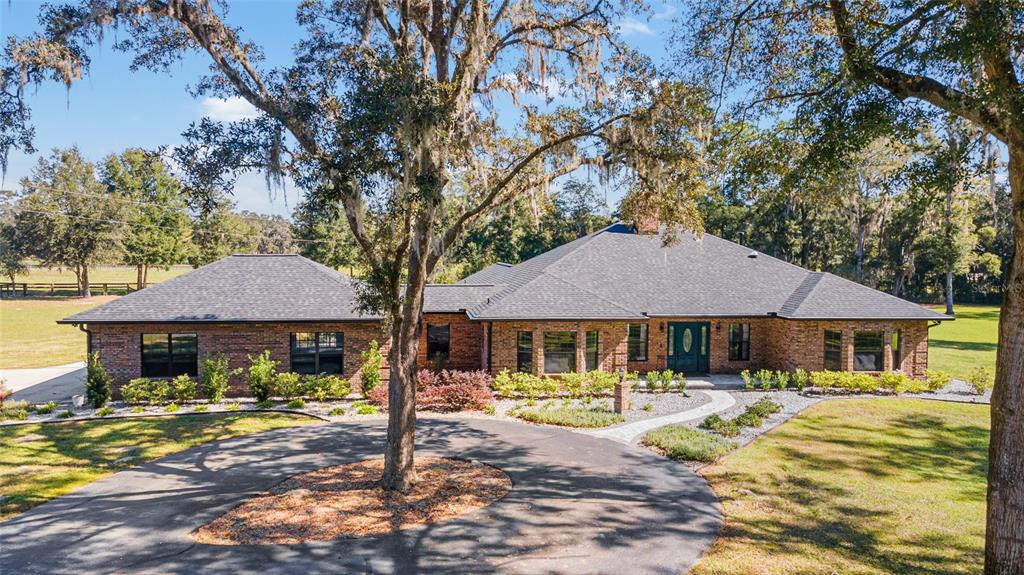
{"points": [[337, 411], [572, 384], [748, 419], [296, 404], [235, 406], [105, 411], [666, 379], [936, 380], [145, 390], [14, 411], [48, 407], [97, 382], [680, 382], [324, 387], [138, 409], [571, 416], [653, 379], [288, 385], [681, 442], [801, 379], [201, 408], [764, 407], [183, 388], [724, 427], [600, 383], [845, 381], [265, 404], [518, 384], [216, 376], [370, 369], [445, 391], [981, 380], [781, 380], [894, 382], [362, 408], [66, 414], [172, 407], [764, 378], [489, 409], [748, 380], [261, 376], [648, 407]]}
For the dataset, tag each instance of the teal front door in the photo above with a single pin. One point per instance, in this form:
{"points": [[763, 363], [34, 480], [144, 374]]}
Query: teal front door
{"points": [[688, 346]]}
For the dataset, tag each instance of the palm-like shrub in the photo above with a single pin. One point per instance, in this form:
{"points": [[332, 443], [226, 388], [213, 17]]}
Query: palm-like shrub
{"points": [[97, 382], [261, 376]]}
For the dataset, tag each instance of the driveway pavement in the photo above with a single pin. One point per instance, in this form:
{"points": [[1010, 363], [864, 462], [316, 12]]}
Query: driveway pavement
{"points": [[42, 384], [579, 504]]}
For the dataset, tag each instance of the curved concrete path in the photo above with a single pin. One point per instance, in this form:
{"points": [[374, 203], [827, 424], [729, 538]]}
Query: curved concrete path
{"points": [[41, 384], [631, 432], [579, 504]]}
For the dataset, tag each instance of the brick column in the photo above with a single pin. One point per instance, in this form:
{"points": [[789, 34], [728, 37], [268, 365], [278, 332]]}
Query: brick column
{"points": [[887, 349], [581, 349], [538, 352], [621, 397]]}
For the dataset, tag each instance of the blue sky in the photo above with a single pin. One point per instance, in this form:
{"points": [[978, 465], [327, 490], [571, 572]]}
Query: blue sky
{"points": [[112, 108]]}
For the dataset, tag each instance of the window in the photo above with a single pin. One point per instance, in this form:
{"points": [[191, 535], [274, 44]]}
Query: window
{"points": [[591, 352], [897, 349], [833, 350], [169, 354], [524, 351], [559, 352], [322, 352], [637, 342], [438, 339], [867, 351], [739, 342]]}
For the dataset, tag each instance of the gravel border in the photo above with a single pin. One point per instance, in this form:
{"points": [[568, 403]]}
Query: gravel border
{"points": [[661, 404]]}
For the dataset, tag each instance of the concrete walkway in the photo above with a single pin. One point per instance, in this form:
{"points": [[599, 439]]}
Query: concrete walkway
{"points": [[579, 504], [632, 432], [43, 384]]}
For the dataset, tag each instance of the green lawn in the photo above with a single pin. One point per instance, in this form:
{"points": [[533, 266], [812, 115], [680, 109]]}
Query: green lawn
{"points": [[45, 460], [857, 486], [957, 347], [32, 339], [99, 274]]}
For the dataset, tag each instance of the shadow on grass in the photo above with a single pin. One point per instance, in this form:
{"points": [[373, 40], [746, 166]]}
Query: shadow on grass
{"points": [[962, 345]]}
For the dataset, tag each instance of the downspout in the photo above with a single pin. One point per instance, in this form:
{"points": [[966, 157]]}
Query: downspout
{"points": [[88, 337], [490, 344]]}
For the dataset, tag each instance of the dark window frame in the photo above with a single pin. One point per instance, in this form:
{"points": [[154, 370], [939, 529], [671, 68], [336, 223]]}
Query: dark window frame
{"points": [[591, 358], [431, 344], [561, 354], [860, 353], [833, 358], [524, 355], [335, 354], [739, 349], [633, 351], [171, 362]]}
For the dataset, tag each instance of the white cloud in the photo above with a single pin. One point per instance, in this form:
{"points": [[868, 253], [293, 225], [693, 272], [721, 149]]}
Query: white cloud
{"points": [[632, 26], [667, 12], [229, 110]]}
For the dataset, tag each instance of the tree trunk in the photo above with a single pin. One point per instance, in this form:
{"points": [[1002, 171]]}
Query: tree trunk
{"points": [[948, 215], [949, 292], [86, 288], [1004, 534], [145, 276], [138, 277]]}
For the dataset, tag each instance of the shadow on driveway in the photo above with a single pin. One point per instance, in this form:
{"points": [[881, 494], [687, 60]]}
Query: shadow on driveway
{"points": [[579, 504]]}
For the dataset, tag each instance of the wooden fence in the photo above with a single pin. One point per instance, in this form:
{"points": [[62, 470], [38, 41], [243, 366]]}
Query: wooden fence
{"points": [[104, 288]]}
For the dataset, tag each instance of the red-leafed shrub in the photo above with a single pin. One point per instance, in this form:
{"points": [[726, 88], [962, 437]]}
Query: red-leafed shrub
{"points": [[445, 391]]}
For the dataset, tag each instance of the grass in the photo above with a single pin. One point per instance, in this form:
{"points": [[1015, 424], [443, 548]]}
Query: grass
{"points": [[99, 274], [857, 486], [41, 461], [681, 442], [571, 416], [32, 339], [957, 347]]}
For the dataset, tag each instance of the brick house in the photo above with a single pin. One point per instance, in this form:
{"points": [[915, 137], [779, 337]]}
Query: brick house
{"points": [[612, 300]]}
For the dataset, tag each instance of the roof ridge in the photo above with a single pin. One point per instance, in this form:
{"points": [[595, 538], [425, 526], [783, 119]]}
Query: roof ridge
{"points": [[800, 294], [326, 271]]}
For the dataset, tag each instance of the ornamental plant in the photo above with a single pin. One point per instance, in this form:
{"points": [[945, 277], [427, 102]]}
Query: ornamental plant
{"points": [[288, 385], [183, 388], [5, 391], [653, 380], [97, 382], [801, 379], [261, 376], [980, 379], [370, 369], [936, 380], [748, 380], [145, 390], [216, 376]]}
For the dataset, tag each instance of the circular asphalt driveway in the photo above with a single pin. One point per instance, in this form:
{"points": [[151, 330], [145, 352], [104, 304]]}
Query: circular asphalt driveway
{"points": [[579, 504]]}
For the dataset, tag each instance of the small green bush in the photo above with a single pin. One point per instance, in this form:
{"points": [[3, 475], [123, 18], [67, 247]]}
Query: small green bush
{"points": [[748, 419], [104, 411], [366, 409], [936, 380], [370, 369], [653, 379], [216, 376], [138, 409], [324, 387], [48, 407], [66, 414], [97, 382], [518, 384], [781, 380], [145, 390], [801, 379], [600, 383], [981, 380], [14, 411], [682, 443], [172, 407], [845, 381], [748, 380], [572, 384], [764, 407], [724, 427], [895, 382], [201, 408], [666, 379], [337, 411], [680, 382], [183, 388], [765, 379], [261, 376], [571, 417], [234, 406], [297, 403], [288, 385], [489, 409], [267, 404], [648, 407]]}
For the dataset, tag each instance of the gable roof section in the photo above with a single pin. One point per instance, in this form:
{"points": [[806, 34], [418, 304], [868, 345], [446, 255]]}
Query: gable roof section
{"points": [[239, 288], [617, 274]]}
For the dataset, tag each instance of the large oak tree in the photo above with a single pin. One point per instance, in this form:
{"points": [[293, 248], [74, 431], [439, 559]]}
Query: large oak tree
{"points": [[864, 70], [417, 117]]}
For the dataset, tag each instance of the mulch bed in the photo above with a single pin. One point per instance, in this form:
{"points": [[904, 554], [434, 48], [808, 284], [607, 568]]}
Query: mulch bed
{"points": [[345, 502]]}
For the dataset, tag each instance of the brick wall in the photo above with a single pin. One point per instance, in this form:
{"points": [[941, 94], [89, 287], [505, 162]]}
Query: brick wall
{"points": [[466, 342], [119, 345], [774, 343]]}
